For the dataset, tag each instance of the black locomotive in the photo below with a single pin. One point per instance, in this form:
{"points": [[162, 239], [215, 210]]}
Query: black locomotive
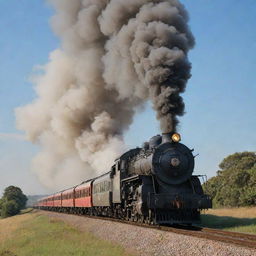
{"points": [[155, 183]]}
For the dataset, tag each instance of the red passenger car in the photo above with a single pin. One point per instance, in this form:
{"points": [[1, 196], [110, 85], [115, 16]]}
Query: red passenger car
{"points": [[83, 195], [67, 197], [50, 201], [40, 203], [57, 200], [44, 202]]}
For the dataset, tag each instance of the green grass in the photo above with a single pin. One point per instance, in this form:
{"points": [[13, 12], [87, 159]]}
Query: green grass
{"points": [[27, 210], [233, 219], [244, 229], [38, 235]]}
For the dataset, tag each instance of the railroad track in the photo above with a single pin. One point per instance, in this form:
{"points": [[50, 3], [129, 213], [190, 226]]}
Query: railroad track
{"points": [[239, 239], [235, 238]]}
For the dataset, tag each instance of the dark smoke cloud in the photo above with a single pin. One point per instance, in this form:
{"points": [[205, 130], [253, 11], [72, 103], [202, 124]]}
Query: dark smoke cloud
{"points": [[114, 56]]}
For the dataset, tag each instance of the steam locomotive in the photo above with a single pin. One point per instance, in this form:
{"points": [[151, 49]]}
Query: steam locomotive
{"points": [[152, 184]]}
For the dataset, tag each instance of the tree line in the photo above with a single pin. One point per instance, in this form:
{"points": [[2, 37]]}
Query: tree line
{"points": [[235, 182], [12, 202]]}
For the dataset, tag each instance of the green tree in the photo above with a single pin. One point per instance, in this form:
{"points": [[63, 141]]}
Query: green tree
{"points": [[12, 202], [16, 194], [9, 208], [1, 204], [235, 183]]}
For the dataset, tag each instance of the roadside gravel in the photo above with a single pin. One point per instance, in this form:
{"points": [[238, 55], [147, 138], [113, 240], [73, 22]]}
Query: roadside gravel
{"points": [[147, 242]]}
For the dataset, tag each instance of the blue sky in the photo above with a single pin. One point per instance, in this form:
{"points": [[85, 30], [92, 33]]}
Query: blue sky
{"points": [[220, 97]]}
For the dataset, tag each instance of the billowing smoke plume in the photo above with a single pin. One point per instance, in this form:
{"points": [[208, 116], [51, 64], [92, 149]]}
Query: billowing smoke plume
{"points": [[114, 56]]}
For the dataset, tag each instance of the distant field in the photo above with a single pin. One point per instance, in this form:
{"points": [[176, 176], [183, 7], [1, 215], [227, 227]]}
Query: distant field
{"points": [[31, 234], [233, 219]]}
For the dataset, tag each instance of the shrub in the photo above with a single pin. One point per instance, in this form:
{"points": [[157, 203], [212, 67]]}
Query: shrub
{"points": [[12, 201], [9, 208]]}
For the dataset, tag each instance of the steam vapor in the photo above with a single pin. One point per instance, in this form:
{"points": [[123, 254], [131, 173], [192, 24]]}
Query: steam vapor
{"points": [[115, 55]]}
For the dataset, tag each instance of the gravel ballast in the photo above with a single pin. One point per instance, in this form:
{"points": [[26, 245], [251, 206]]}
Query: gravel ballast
{"points": [[147, 242]]}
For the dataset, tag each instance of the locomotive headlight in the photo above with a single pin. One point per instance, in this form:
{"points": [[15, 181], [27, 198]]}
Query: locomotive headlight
{"points": [[176, 137]]}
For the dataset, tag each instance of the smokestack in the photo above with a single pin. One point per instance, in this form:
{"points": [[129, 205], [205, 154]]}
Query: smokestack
{"points": [[114, 56], [167, 137]]}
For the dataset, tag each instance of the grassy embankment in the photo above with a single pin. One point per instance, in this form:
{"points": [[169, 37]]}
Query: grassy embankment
{"points": [[233, 219], [32, 234]]}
